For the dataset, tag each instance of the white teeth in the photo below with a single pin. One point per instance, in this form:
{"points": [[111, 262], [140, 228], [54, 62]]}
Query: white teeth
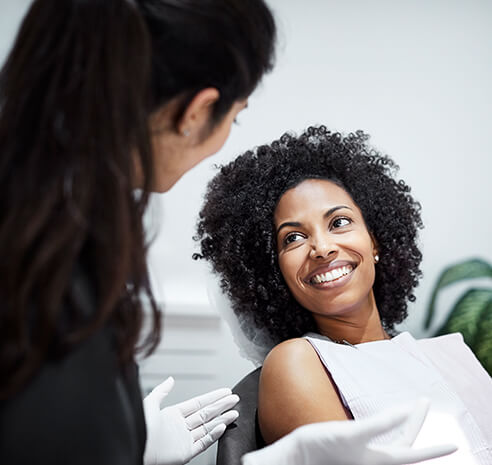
{"points": [[331, 275]]}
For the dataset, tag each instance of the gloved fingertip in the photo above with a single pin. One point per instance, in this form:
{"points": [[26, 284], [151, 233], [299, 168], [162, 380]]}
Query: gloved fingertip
{"points": [[230, 416], [218, 431], [222, 392], [169, 382], [163, 389]]}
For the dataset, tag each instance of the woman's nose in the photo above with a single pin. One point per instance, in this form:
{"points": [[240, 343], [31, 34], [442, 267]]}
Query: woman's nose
{"points": [[321, 247]]}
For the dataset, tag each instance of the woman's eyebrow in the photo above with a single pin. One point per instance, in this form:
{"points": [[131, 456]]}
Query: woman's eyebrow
{"points": [[294, 224], [334, 209]]}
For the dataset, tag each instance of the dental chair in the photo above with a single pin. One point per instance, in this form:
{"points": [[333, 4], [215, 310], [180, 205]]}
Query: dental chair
{"points": [[243, 435]]}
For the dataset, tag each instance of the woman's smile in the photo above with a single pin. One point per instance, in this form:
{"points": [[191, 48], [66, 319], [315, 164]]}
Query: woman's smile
{"points": [[335, 274]]}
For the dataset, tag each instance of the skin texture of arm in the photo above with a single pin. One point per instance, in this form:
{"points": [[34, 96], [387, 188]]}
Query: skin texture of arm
{"points": [[295, 390]]}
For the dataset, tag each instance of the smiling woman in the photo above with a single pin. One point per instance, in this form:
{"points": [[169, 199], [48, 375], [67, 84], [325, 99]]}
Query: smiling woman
{"points": [[243, 246], [315, 240]]}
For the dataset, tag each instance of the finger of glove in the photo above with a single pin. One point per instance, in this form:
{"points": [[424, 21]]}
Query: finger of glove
{"points": [[226, 419], [412, 426], [206, 441], [211, 411], [390, 455], [161, 390], [368, 428], [191, 406]]}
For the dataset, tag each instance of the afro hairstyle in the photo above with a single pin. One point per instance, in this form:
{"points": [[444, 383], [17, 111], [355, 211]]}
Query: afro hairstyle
{"points": [[236, 231]]}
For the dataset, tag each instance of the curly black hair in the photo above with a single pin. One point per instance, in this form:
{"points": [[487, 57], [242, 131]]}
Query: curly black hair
{"points": [[237, 235]]}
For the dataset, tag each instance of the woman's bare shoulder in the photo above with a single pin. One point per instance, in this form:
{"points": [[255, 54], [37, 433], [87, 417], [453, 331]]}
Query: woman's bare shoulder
{"points": [[288, 357], [295, 389]]}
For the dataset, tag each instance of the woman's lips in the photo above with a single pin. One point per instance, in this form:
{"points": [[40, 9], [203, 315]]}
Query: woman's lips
{"points": [[333, 276], [332, 270]]}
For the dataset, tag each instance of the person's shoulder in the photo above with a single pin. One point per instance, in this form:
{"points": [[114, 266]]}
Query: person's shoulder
{"points": [[290, 359], [293, 361], [292, 381], [290, 352]]}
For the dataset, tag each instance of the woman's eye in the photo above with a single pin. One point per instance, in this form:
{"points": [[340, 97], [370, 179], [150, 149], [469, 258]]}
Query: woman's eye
{"points": [[340, 222], [236, 121], [293, 237]]}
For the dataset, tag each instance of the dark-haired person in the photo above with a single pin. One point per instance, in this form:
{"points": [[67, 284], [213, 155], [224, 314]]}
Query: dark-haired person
{"points": [[315, 242], [99, 98]]}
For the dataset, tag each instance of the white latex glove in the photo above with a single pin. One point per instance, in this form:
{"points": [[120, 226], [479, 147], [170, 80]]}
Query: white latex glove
{"points": [[178, 433], [347, 442]]}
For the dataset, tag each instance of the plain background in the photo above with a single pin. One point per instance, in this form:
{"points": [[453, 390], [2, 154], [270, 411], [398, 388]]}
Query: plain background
{"points": [[415, 75]]}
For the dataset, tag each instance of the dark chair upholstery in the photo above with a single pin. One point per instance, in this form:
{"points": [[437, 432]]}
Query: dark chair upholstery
{"points": [[243, 435]]}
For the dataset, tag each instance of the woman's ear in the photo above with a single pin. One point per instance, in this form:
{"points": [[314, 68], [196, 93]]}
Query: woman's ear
{"points": [[196, 116], [375, 249]]}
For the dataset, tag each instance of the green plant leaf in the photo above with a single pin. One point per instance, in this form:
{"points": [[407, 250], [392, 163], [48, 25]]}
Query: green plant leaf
{"points": [[469, 269], [466, 315], [483, 339]]}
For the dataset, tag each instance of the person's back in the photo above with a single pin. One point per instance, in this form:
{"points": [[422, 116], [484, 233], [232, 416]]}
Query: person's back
{"points": [[82, 407]]}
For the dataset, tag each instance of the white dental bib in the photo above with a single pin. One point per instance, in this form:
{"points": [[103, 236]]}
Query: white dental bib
{"points": [[376, 375]]}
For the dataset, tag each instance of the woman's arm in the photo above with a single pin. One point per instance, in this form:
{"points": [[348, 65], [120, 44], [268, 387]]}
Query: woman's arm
{"points": [[295, 389]]}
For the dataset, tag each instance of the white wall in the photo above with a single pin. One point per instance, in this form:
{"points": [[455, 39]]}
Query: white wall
{"points": [[415, 75], [11, 12]]}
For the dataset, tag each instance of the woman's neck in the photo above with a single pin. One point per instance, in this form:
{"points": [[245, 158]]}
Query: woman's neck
{"points": [[357, 325]]}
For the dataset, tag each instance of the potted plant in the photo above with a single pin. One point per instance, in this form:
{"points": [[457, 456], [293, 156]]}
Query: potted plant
{"points": [[471, 315]]}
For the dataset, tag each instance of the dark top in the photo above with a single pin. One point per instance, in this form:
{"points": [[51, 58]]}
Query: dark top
{"points": [[83, 409]]}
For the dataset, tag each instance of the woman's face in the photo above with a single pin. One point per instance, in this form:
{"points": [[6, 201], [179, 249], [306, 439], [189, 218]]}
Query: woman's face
{"points": [[325, 252]]}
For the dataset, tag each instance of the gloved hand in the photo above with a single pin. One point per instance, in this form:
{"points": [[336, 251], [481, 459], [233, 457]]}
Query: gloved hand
{"points": [[347, 442], [178, 433]]}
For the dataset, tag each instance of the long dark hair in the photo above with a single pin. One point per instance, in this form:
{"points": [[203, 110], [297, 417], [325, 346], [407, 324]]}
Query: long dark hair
{"points": [[76, 93]]}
